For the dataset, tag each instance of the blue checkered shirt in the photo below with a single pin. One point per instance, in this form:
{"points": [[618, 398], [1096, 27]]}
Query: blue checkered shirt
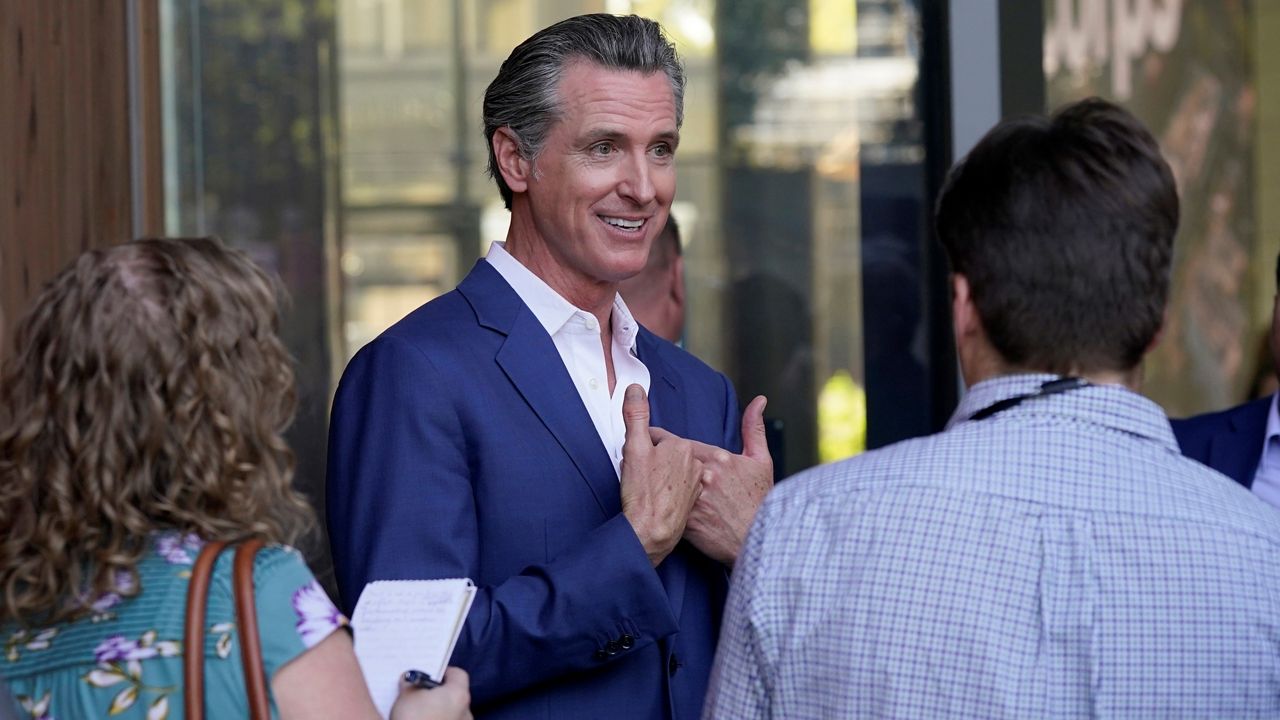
{"points": [[1058, 559]]}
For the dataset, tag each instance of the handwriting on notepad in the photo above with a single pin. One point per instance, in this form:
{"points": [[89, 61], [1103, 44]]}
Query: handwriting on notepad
{"points": [[396, 603], [407, 624]]}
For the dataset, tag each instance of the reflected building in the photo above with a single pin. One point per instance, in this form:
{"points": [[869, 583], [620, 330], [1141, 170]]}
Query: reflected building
{"points": [[789, 105]]}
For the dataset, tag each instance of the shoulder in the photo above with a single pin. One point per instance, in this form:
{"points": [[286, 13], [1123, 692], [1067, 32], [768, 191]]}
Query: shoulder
{"points": [[434, 322], [275, 567], [835, 491], [294, 611], [436, 335], [1193, 431], [683, 363]]}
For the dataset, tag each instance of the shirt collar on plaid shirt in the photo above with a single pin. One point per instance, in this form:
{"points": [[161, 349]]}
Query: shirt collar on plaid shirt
{"points": [[1111, 406]]}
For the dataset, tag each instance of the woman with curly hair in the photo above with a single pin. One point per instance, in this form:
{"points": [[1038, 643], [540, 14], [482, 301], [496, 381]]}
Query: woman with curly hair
{"points": [[141, 416]]}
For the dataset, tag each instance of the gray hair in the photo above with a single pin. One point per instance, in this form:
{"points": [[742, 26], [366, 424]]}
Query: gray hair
{"points": [[523, 96]]}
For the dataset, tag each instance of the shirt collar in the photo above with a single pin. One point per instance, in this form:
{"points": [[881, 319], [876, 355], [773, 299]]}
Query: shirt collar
{"points": [[550, 308], [1111, 406]]}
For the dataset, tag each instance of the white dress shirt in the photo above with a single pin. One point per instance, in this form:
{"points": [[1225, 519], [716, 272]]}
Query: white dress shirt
{"points": [[576, 334], [1266, 479]]}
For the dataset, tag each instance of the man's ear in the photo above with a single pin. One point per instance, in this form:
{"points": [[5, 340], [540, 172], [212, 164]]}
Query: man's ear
{"points": [[1159, 333], [515, 168], [964, 316]]}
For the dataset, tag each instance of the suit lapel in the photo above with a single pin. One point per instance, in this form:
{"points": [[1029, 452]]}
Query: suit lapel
{"points": [[666, 407], [668, 411], [529, 359], [1237, 449], [532, 364]]}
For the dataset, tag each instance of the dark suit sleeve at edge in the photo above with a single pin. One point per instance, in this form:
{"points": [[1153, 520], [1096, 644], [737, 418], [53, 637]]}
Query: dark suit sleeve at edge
{"points": [[732, 417], [400, 505]]}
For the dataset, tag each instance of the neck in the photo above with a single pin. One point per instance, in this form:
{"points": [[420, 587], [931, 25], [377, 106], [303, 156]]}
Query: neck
{"points": [[980, 360], [526, 245], [1131, 379]]}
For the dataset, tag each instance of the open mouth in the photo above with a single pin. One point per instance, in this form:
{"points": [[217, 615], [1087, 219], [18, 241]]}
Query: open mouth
{"points": [[626, 224]]}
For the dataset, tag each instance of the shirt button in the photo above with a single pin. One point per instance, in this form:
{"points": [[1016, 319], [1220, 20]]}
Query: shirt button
{"points": [[591, 322], [593, 383]]}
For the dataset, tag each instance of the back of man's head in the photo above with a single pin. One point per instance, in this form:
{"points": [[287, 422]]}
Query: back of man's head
{"points": [[1063, 228]]}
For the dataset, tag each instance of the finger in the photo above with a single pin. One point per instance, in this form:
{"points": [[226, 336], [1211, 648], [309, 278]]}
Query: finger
{"points": [[708, 453], [456, 675], [635, 416], [754, 444], [657, 435]]}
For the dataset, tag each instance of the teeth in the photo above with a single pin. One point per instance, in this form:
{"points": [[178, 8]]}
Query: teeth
{"points": [[625, 224]]}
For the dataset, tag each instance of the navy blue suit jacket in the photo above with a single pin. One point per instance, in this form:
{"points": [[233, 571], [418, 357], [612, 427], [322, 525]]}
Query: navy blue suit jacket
{"points": [[1229, 441], [459, 448]]}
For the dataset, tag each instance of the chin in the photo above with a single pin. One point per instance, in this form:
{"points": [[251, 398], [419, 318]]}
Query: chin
{"points": [[626, 264]]}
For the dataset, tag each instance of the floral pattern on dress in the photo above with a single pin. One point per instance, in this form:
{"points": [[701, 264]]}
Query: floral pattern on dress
{"points": [[129, 663], [23, 639], [118, 647], [317, 616], [178, 549], [226, 632], [120, 661], [124, 584], [37, 709]]}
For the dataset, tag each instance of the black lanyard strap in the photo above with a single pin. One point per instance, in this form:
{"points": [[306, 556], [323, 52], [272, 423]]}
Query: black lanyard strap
{"points": [[1049, 387]]}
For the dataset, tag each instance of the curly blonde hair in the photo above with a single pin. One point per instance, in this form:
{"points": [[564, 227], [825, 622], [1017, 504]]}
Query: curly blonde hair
{"points": [[147, 391]]}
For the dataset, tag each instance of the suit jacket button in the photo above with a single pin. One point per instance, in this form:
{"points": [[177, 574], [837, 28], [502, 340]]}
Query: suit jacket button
{"points": [[612, 647], [672, 665], [627, 642], [601, 655]]}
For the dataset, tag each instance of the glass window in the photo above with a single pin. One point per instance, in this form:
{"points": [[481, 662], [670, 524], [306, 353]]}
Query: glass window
{"points": [[800, 191], [340, 142], [1205, 77]]}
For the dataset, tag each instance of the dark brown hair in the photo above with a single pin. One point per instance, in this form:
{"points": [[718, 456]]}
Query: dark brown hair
{"points": [[148, 391], [1064, 228]]}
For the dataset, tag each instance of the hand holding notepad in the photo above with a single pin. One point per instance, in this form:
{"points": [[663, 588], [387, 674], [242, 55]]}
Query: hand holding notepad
{"points": [[407, 624]]}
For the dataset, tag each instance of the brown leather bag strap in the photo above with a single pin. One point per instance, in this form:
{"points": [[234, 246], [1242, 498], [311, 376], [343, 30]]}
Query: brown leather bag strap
{"points": [[255, 676], [193, 633]]}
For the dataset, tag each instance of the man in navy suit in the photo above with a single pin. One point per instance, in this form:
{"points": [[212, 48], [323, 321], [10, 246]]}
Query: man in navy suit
{"points": [[1242, 442], [502, 432]]}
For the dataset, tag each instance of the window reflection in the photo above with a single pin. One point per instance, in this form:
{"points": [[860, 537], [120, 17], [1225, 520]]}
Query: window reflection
{"points": [[341, 142], [1194, 71], [791, 106]]}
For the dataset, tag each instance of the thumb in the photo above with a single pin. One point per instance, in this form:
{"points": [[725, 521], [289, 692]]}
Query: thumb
{"points": [[754, 445], [635, 416]]}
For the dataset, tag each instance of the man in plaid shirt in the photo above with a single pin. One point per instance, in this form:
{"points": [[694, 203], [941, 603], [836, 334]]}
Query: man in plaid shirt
{"points": [[1050, 554]]}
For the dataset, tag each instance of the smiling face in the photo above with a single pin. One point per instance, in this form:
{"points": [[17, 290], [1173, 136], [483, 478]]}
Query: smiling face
{"points": [[590, 204]]}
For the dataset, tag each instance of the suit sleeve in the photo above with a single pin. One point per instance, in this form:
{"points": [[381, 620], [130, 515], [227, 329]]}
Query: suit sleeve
{"points": [[400, 505]]}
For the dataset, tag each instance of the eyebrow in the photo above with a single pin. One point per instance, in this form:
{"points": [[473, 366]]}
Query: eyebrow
{"points": [[671, 137]]}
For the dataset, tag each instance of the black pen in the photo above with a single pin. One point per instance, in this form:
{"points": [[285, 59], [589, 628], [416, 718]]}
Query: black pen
{"points": [[419, 679]]}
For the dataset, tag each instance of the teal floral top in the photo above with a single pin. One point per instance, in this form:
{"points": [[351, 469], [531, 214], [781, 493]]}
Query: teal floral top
{"points": [[125, 659]]}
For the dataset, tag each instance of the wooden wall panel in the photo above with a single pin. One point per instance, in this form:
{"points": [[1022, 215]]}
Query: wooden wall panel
{"points": [[64, 139]]}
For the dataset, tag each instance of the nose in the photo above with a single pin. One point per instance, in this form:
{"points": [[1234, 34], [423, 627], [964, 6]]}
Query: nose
{"points": [[636, 183]]}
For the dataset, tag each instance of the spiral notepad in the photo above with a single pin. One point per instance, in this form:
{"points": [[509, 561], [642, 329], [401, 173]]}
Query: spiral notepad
{"points": [[407, 624]]}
